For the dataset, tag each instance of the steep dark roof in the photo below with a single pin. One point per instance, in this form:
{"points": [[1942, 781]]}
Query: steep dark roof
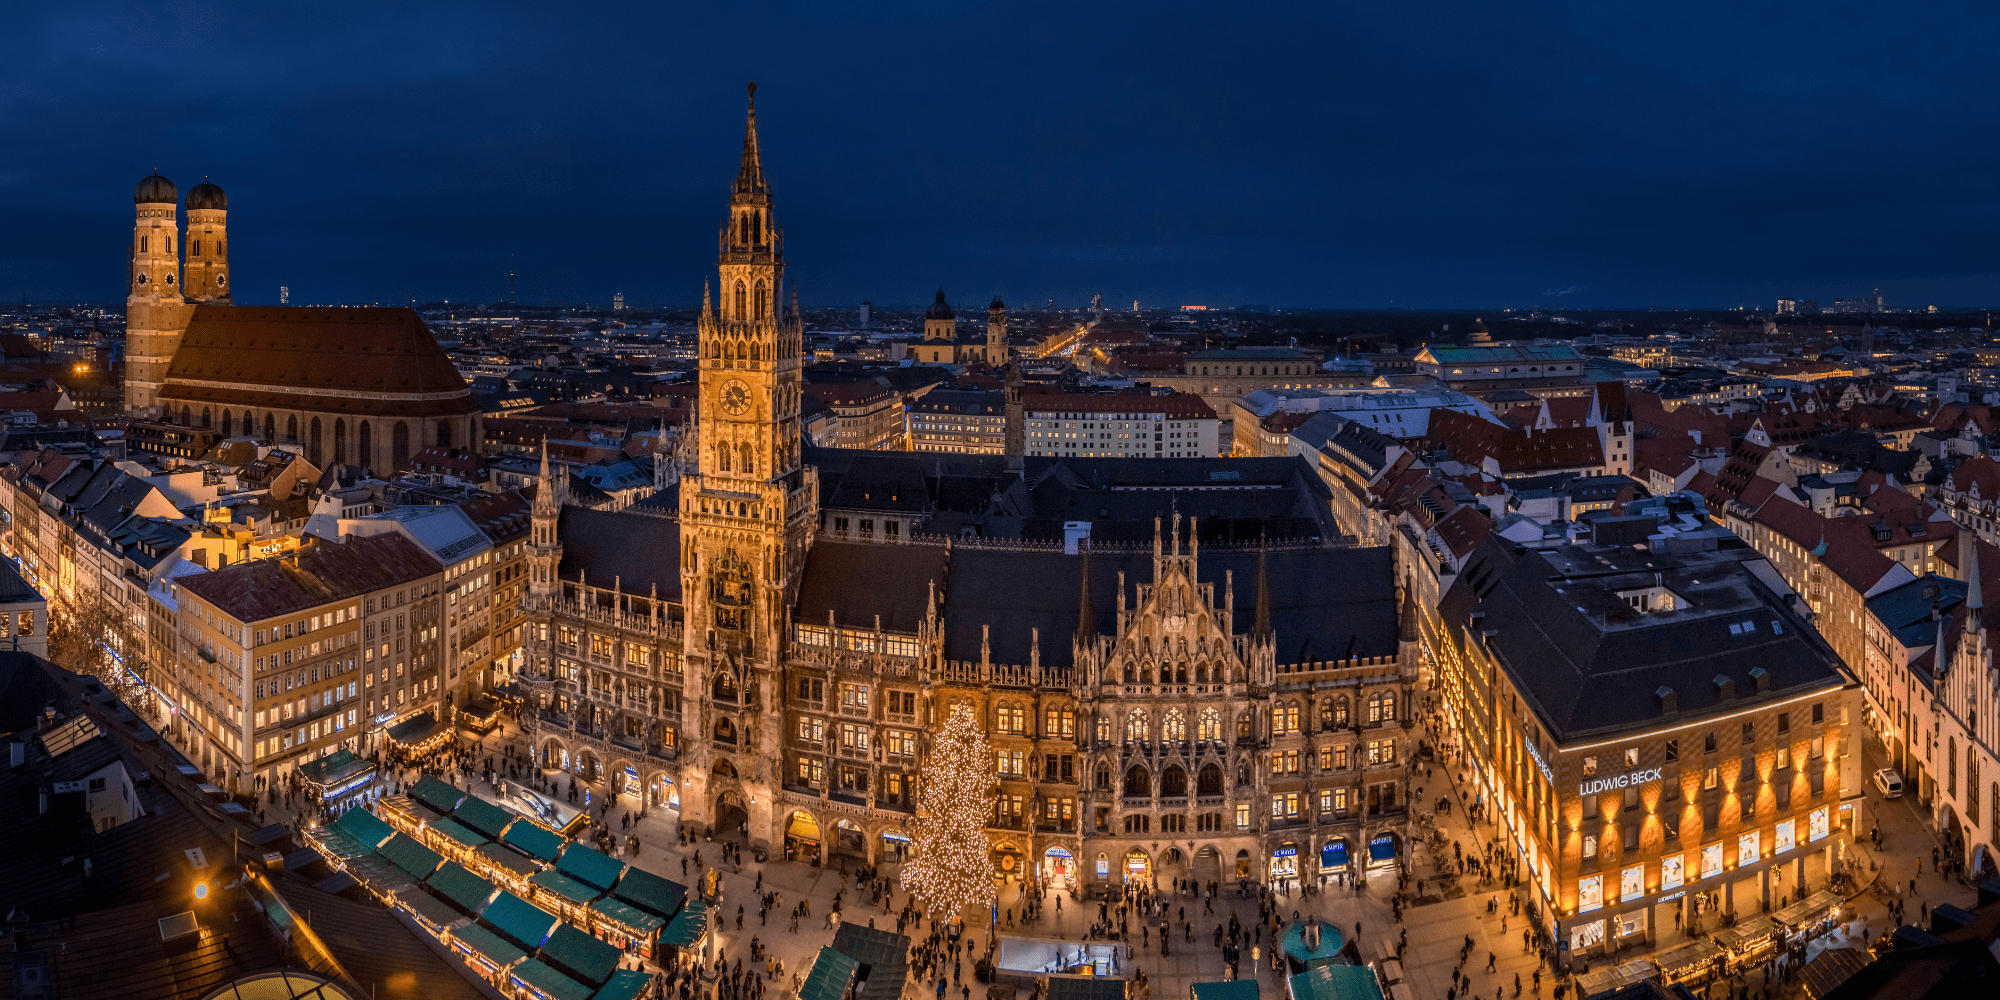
{"points": [[1588, 661], [858, 581], [348, 357], [326, 572], [635, 549], [1331, 604]]}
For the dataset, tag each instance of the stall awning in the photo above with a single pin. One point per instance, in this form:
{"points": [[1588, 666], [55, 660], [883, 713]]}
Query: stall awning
{"points": [[488, 945], [590, 866], [335, 768], [547, 982], [1336, 982], [582, 957], [625, 984], [563, 887], [1745, 934], [537, 841], [1330, 856], [414, 858], [441, 797], [1686, 958], [522, 922], [829, 977], [884, 953], [687, 926], [647, 891], [365, 827], [461, 888], [1086, 988], [496, 856], [417, 729], [636, 921], [478, 814], [1381, 850], [429, 908], [456, 832], [1810, 909], [1234, 989]]}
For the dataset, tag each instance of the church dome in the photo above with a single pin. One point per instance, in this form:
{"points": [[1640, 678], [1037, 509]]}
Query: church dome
{"points": [[997, 306], [206, 195], [156, 190], [938, 309]]}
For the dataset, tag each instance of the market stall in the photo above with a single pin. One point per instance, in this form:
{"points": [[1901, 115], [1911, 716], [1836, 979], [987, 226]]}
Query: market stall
{"points": [[686, 933], [1689, 961], [336, 775], [1810, 917], [414, 739], [1749, 942]]}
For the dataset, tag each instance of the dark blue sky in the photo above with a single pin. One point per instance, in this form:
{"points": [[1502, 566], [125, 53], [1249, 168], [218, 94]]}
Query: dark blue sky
{"points": [[1354, 154]]}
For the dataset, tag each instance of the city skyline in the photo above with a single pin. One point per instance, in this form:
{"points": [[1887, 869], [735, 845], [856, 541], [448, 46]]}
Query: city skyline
{"points": [[1332, 160]]}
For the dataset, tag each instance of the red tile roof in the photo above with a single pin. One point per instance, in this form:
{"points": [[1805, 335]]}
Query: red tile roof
{"points": [[319, 358]]}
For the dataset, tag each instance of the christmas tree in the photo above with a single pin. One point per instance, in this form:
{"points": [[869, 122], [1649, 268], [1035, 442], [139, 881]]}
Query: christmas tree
{"points": [[951, 866]]}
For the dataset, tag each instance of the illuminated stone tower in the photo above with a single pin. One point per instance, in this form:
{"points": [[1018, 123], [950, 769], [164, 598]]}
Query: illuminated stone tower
{"points": [[996, 332], [206, 276], [747, 515], [156, 313]]}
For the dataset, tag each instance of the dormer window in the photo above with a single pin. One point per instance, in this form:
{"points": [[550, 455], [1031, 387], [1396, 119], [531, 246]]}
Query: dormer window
{"points": [[1652, 600]]}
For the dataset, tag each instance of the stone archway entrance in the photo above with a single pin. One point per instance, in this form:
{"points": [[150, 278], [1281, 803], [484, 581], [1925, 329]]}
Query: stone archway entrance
{"points": [[1137, 867], [1208, 865], [802, 835], [732, 818]]}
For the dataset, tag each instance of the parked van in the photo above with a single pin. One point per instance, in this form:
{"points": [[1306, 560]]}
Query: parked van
{"points": [[1890, 783]]}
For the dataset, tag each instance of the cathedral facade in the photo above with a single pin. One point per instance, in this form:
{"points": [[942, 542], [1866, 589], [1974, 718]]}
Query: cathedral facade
{"points": [[1158, 709]]}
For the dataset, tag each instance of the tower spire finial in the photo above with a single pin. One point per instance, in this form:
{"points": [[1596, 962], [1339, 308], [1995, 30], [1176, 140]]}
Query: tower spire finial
{"points": [[750, 178], [1263, 625]]}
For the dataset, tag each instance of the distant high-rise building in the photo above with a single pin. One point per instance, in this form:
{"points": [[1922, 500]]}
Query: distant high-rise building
{"points": [[865, 307], [284, 295], [1808, 307], [618, 302], [1788, 307]]}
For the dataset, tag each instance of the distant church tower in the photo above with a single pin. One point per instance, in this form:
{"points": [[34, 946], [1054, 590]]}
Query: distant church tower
{"points": [[156, 313], [996, 332], [939, 321], [747, 516], [207, 272]]}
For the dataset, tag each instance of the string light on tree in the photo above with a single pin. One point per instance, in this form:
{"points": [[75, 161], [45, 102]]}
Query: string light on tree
{"points": [[952, 867]]}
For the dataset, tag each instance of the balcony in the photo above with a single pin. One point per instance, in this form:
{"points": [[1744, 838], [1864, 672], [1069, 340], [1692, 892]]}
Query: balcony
{"points": [[1137, 802], [1174, 802]]}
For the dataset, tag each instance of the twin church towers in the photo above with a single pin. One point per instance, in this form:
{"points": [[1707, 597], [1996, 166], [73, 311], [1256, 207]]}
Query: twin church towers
{"points": [[164, 286]]}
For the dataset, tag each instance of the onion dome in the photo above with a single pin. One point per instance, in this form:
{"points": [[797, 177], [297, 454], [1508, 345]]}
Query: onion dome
{"points": [[938, 309], [206, 195], [156, 190], [997, 305]]}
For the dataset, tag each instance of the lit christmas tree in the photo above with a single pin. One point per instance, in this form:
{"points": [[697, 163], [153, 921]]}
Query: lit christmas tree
{"points": [[951, 867]]}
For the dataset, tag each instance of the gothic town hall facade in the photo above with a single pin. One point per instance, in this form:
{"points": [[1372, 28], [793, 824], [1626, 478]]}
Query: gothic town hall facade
{"points": [[1206, 687]]}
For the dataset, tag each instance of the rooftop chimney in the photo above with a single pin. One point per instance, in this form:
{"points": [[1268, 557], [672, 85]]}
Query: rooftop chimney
{"points": [[1762, 677], [1725, 687]]}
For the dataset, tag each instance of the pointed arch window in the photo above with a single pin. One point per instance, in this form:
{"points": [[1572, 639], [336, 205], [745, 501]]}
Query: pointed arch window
{"points": [[762, 300], [1174, 728], [742, 300], [1210, 727], [1138, 727]]}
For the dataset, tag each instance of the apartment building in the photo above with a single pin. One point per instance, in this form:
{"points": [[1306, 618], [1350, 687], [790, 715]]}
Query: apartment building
{"points": [[1072, 425], [280, 661]]}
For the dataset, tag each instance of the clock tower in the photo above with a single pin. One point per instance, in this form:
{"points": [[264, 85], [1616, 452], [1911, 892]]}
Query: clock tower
{"points": [[747, 515]]}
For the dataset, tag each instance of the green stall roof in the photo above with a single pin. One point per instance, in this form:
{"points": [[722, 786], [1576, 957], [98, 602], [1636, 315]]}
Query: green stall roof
{"points": [[1233, 989], [1086, 988], [649, 892], [364, 826], [565, 888], [538, 841], [416, 859], [502, 858], [456, 832], [522, 922], [885, 954], [461, 888], [435, 793], [590, 866], [429, 907], [687, 926], [584, 958], [638, 920], [625, 984], [483, 816], [548, 982], [497, 949], [831, 973], [1336, 982]]}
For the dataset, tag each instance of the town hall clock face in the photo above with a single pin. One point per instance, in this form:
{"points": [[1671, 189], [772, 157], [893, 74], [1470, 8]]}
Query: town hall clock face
{"points": [[735, 397]]}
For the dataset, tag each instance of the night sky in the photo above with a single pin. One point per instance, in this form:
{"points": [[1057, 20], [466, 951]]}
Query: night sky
{"points": [[1351, 154]]}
